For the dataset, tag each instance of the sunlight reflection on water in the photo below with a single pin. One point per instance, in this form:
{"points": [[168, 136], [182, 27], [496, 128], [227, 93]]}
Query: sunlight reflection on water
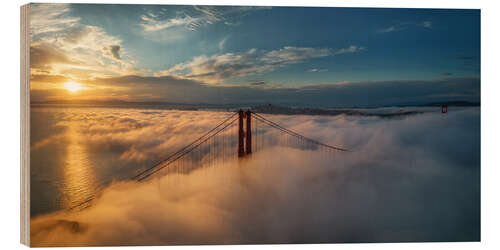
{"points": [[76, 151], [79, 178]]}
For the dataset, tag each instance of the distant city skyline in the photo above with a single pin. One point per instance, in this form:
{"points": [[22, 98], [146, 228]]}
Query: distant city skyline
{"points": [[234, 54]]}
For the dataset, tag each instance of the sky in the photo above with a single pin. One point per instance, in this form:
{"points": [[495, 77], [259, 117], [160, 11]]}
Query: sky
{"points": [[243, 54]]}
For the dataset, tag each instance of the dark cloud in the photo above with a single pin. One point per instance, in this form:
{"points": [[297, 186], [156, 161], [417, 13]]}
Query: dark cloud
{"points": [[48, 78], [258, 83], [172, 89], [342, 94], [42, 56], [115, 51], [41, 95]]}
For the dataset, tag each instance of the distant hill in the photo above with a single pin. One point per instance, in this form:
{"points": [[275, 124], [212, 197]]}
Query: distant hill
{"points": [[271, 109], [455, 103], [120, 103], [259, 107]]}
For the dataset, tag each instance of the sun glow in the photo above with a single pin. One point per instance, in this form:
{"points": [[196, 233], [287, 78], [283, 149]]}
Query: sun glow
{"points": [[73, 87]]}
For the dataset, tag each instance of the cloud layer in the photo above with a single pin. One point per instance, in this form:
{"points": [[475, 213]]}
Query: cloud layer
{"points": [[62, 45], [219, 68], [344, 94], [409, 179], [194, 18]]}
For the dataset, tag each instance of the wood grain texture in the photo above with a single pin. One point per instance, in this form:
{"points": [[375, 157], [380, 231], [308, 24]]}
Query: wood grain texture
{"points": [[25, 124]]}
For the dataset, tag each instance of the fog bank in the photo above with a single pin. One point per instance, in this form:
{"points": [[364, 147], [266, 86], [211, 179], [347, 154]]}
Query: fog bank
{"points": [[415, 178]]}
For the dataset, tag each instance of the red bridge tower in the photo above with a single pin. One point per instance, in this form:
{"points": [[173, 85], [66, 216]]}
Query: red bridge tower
{"points": [[244, 134]]}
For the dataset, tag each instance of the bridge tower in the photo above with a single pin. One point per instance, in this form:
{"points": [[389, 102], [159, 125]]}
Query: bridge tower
{"points": [[241, 147], [244, 134], [248, 139]]}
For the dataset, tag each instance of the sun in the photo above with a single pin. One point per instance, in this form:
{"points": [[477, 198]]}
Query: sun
{"points": [[73, 87]]}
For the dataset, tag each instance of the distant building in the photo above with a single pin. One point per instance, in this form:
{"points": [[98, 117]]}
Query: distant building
{"points": [[444, 108]]}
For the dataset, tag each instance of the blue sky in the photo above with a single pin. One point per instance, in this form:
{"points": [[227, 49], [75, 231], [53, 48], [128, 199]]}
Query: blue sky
{"points": [[267, 48]]}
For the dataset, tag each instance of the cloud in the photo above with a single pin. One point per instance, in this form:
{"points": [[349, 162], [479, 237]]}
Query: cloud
{"points": [[380, 93], [216, 68], [164, 26], [292, 55], [235, 24], [408, 179], [258, 83], [391, 28], [222, 43], [350, 49], [363, 93], [151, 25], [195, 18], [219, 67], [49, 18], [405, 25], [48, 78], [427, 24], [131, 132], [115, 51], [42, 57], [317, 70], [62, 45]]}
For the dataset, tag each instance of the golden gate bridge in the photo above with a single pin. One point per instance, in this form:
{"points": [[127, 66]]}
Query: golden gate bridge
{"points": [[237, 137]]}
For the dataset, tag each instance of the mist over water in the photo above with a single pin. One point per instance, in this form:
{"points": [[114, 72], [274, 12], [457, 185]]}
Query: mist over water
{"points": [[411, 178]]}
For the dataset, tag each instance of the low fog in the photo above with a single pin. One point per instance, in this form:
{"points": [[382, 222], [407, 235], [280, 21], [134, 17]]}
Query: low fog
{"points": [[413, 178]]}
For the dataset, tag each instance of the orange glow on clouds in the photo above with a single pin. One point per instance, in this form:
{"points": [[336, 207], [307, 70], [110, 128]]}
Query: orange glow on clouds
{"points": [[73, 87]]}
